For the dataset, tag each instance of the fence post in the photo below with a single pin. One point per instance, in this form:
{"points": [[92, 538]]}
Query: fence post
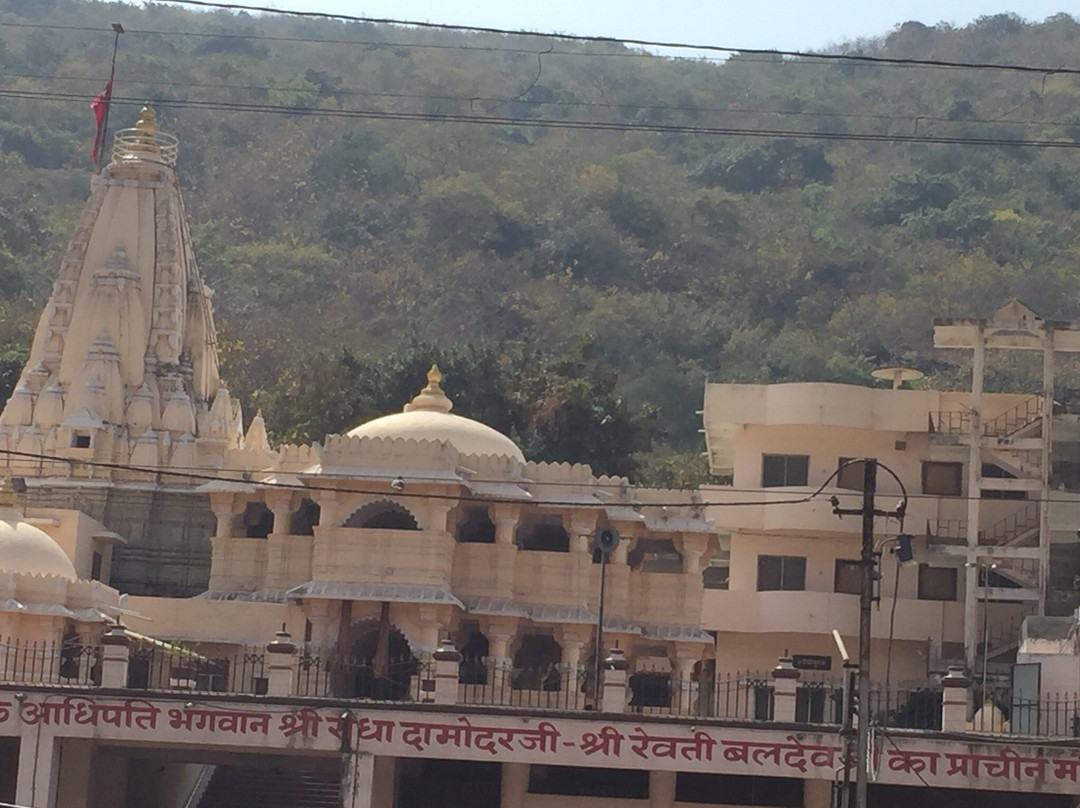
{"points": [[615, 670], [115, 656], [785, 682], [447, 672], [954, 700], [279, 664]]}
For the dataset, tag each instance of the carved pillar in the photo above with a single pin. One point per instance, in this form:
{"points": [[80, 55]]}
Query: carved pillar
{"points": [[506, 521], [280, 505]]}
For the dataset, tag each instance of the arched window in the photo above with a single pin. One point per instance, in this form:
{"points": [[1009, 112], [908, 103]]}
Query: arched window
{"points": [[536, 664], [305, 518], [381, 671], [258, 520], [383, 515], [543, 532], [475, 526], [655, 555]]}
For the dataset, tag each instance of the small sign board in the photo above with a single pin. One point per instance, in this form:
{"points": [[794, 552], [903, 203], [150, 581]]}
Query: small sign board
{"points": [[812, 662]]}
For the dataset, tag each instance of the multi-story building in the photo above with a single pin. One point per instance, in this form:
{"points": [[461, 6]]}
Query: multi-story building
{"points": [[412, 614], [990, 504]]}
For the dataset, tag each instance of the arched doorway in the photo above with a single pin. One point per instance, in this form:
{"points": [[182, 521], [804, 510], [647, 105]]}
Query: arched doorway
{"points": [[381, 664]]}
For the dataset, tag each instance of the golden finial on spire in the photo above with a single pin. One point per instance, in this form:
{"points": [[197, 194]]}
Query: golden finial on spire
{"points": [[434, 377], [147, 123]]}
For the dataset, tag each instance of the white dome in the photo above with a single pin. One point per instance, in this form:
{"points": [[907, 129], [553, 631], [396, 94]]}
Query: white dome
{"points": [[29, 550], [427, 417]]}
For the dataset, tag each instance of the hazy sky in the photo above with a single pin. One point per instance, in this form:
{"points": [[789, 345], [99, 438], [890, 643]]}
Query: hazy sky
{"points": [[783, 24]]}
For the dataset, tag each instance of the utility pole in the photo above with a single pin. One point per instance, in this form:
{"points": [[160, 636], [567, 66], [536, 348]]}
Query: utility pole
{"points": [[868, 565], [866, 602]]}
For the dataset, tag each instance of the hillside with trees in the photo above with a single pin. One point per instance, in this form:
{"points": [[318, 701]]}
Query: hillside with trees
{"points": [[579, 233]]}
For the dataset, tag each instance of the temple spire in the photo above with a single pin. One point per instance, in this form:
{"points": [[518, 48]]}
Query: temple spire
{"points": [[124, 361]]}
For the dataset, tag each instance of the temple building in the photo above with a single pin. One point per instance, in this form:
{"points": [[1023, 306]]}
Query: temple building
{"points": [[416, 614]]}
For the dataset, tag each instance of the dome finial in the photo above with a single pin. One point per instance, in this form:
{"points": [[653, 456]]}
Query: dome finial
{"points": [[434, 377], [431, 397]]}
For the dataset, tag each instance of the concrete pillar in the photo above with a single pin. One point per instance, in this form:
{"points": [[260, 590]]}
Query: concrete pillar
{"points": [[279, 664], [358, 780], [224, 518], [506, 520], [447, 660], [39, 763], [785, 683], [662, 789], [817, 793], [385, 784], [514, 785], [954, 700], [684, 690], [115, 655], [613, 698], [73, 783]]}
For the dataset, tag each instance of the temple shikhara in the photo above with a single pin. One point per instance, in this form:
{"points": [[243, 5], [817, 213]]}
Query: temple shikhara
{"points": [[416, 614]]}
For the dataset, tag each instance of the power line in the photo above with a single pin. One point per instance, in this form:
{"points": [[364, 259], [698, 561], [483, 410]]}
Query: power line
{"points": [[330, 93], [771, 55], [553, 123], [646, 43]]}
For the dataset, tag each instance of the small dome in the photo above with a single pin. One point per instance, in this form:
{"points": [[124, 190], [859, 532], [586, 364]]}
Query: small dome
{"points": [[29, 550], [427, 417]]}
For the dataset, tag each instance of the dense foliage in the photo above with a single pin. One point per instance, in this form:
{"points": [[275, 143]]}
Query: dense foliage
{"points": [[578, 285]]}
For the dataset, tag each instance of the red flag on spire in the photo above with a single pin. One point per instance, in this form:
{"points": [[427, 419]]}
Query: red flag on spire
{"points": [[100, 106]]}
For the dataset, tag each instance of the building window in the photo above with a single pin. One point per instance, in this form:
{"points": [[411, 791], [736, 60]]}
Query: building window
{"points": [[97, 560], [781, 573], [305, 518], [852, 475], [716, 576], [847, 579], [942, 479], [258, 520], [80, 440], [777, 470], [655, 555], [543, 533], [937, 583]]}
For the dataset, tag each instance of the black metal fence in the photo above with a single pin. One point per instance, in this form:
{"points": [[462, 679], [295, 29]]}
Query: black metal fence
{"points": [[330, 676], [498, 682], [69, 663]]}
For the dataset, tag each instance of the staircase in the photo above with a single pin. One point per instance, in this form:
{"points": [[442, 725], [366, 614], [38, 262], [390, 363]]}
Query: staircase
{"points": [[237, 787], [1018, 529], [1019, 422]]}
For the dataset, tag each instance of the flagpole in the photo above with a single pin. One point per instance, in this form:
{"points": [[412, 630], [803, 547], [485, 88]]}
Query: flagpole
{"points": [[118, 29]]}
